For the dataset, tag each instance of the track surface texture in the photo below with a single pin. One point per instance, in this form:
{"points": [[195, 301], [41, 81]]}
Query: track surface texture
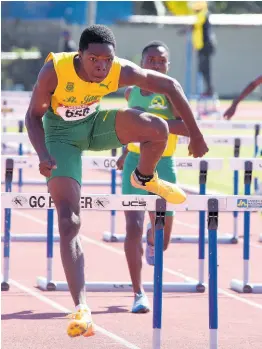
{"points": [[35, 319]]}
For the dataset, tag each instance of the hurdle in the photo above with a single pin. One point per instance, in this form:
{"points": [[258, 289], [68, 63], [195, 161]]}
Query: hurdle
{"points": [[25, 161], [213, 205], [29, 161], [211, 140], [244, 286], [229, 125], [208, 105]]}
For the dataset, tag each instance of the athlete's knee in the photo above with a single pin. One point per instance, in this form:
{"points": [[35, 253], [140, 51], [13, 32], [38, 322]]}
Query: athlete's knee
{"points": [[134, 229], [69, 222], [158, 129]]}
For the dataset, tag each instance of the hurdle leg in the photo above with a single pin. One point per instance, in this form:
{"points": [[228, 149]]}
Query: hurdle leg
{"points": [[202, 228], [212, 266], [7, 237], [111, 236], [236, 185], [20, 152], [257, 132], [237, 285], [50, 250], [235, 213], [158, 272]]}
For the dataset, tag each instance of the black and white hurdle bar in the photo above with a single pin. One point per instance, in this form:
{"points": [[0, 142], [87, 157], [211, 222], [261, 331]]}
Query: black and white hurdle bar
{"points": [[117, 203]]}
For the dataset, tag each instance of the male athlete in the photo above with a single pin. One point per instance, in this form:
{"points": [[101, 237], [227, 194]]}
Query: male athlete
{"points": [[67, 97], [155, 56]]}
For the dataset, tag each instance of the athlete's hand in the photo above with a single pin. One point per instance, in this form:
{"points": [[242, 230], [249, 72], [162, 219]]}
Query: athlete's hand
{"points": [[197, 146], [46, 166], [120, 162], [230, 112]]}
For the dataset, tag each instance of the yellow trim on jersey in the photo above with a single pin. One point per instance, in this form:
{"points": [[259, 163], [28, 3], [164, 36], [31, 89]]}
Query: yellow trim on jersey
{"points": [[71, 91]]}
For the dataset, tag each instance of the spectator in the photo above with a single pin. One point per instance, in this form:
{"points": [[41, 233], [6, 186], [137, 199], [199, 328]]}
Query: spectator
{"points": [[69, 45], [203, 43]]}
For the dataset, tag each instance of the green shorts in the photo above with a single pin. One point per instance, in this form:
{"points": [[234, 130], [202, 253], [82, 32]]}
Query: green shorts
{"points": [[65, 140], [165, 169]]}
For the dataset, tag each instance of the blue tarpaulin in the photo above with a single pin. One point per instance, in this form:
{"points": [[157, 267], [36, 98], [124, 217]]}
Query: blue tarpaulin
{"points": [[71, 11]]}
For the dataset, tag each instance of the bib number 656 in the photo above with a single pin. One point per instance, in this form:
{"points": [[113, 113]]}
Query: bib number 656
{"points": [[74, 113]]}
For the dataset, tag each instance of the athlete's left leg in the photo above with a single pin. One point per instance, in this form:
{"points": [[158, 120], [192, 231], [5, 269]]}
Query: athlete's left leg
{"points": [[114, 128]]}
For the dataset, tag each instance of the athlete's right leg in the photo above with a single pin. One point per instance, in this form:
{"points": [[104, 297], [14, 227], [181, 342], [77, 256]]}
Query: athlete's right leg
{"points": [[65, 190]]}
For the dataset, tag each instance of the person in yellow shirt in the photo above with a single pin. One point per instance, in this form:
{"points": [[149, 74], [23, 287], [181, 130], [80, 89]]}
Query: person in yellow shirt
{"points": [[155, 56], [64, 118], [204, 43]]}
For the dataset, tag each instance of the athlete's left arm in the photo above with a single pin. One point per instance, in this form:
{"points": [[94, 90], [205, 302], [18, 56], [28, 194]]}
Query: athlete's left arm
{"points": [[177, 127], [247, 90], [153, 81]]}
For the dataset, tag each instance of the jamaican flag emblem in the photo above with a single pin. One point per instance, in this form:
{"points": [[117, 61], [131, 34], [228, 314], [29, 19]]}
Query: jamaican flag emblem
{"points": [[69, 87]]}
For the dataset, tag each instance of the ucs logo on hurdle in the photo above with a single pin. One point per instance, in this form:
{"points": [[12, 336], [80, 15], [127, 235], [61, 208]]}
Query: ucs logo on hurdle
{"points": [[245, 203], [42, 201]]}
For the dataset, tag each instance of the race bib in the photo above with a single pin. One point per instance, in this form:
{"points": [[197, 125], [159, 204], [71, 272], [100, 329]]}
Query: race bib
{"points": [[76, 112]]}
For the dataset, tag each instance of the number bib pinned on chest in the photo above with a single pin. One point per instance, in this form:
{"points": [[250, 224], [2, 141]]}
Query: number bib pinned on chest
{"points": [[76, 112]]}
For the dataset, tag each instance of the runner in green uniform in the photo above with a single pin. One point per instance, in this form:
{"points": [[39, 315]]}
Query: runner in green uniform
{"points": [[155, 56]]}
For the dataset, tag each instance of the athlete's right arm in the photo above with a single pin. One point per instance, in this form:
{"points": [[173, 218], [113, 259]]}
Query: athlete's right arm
{"points": [[40, 101]]}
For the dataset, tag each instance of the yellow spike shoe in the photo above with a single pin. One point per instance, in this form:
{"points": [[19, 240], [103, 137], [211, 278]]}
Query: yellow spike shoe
{"points": [[168, 191], [81, 324]]}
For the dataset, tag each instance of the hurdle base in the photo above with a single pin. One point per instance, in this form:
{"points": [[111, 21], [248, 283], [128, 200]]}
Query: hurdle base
{"points": [[30, 238], [238, 286], [190, 239], [121, 286], [5, 286]]}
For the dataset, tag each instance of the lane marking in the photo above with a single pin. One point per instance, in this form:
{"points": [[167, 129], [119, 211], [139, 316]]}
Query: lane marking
{"points": [[59, 307], [170, 271]]}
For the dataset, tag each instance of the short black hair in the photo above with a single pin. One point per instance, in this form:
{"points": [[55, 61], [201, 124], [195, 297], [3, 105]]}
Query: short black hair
{"points": [[155, 44], [96, 34]]}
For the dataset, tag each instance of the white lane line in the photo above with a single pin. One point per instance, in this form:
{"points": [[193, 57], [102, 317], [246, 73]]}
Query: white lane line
{"points": [[59, 307], [170, 271], [195, 227]]}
